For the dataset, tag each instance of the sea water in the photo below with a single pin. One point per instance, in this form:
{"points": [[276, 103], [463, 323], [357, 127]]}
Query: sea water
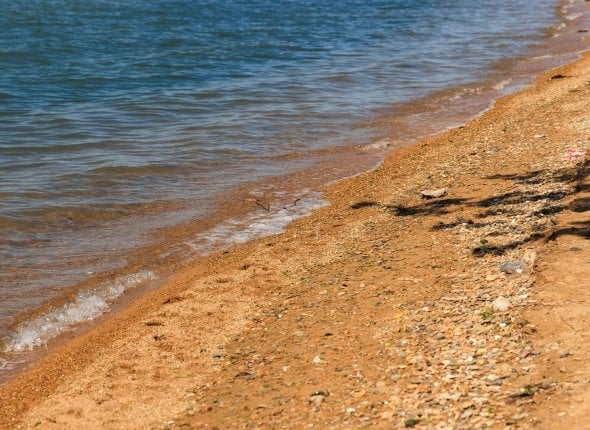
{"points": [[122, 119]]}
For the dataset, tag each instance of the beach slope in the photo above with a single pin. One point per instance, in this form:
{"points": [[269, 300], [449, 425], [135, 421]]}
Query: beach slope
{"points": [[384, 309]]}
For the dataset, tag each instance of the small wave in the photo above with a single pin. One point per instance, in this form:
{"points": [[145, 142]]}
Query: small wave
{"points": [[86, 306], [8, 365], [502, 84], [561, 26], [378, 145], [260, 224], [143, 170], [464, 92], [541, 57], [573, 16]]}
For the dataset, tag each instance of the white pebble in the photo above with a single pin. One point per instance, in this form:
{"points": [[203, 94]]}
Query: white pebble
{"points": [[501, 304]]}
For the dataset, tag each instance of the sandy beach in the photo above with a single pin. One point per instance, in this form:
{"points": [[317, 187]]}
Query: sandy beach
{"points": [[384, 309]]}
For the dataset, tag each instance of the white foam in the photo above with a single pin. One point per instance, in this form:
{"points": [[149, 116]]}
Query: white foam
{"points": [[464, 92], [573, 16], [541, 57], [561, 26], [258, 224], [378, 145], [86, 306], [502, 84]]}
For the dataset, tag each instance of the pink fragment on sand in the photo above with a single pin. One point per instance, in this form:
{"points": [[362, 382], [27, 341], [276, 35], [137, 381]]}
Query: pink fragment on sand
{"points": [[574, 154]]}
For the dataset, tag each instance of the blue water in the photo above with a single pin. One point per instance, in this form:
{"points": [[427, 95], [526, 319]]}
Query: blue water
{"points": [[115, 102], [115, 110]]}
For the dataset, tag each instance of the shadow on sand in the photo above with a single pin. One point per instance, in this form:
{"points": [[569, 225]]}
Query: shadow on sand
{"points": [[510, 204]]}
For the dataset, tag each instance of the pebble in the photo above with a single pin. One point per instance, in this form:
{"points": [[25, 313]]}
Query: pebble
{"points": [[467, 413], [530, 257], [317, 400], [501, 304], [515, 266], [387, 415], [433, 194]]}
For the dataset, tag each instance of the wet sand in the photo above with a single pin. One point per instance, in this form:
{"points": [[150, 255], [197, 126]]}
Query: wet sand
{"points": [[380, 310]]}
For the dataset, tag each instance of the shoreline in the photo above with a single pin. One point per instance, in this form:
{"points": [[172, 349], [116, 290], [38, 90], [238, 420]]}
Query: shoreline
{"points": [[480, 94], [367, 245]]}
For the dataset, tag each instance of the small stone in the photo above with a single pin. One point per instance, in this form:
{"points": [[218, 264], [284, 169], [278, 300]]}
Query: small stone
{"points": [[381, 387], [515, 266], [501, 304], [467, 413], [316, 360], [360, 394], [565, 354], [411, 422], [467, 404], [387, 415], [494, 379], [394, 400], [350, 411], [480, 351], [454, 396], [433, 194], [317, 400], [530, 257]]}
